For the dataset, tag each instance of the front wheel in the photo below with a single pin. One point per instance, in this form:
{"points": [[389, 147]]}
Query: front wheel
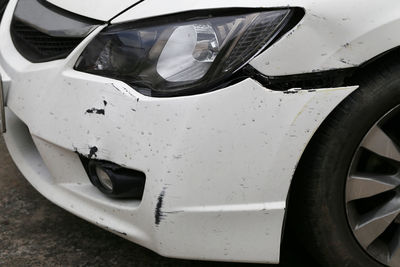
{"points": [[345, 199]]}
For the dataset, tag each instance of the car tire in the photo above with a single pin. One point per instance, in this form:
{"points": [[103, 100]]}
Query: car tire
{"points": [[317, 209]]}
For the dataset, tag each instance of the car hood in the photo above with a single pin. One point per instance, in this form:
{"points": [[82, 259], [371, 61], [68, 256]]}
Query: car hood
{"points": [[103, 10]]}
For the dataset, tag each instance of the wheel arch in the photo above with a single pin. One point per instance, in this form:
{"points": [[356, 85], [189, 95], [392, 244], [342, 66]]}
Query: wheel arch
{"points": [[359, 76]]}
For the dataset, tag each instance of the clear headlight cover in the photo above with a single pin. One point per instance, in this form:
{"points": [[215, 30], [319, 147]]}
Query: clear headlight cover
{"points": [[177, 56]]}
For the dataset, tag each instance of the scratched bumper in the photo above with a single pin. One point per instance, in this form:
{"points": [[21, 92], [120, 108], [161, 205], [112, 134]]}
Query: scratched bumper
{"points": [[218, 165]]}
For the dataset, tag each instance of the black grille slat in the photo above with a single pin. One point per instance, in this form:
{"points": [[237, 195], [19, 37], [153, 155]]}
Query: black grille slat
{"points": [[40, 47], [3, 4]]}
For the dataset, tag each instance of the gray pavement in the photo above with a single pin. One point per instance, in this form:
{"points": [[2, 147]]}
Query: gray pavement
{"points": [[34, 232]]}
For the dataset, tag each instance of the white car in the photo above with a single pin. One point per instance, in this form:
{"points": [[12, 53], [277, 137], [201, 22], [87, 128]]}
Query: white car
{"points": [[207, 129]]}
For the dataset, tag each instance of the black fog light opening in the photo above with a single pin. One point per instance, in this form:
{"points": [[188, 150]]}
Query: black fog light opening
{"points": [[115, 181]]}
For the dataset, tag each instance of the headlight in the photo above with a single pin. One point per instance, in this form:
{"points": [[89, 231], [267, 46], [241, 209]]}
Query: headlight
{"points": [[182, 54]]}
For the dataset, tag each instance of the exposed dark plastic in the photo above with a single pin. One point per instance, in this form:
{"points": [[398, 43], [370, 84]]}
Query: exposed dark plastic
{"points": [[314, 80]]}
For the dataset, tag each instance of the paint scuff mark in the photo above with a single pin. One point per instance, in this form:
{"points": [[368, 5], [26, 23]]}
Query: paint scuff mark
{"points": [[92, 152], [118, 232], [159, 214], [99, 111], [123, 90], [96, 111], [291, 91], [74, 148], [112, 230], [347, 62]]}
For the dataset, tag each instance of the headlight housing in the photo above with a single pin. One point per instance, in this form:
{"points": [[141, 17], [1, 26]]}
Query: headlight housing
{"points": [[182, 54]]}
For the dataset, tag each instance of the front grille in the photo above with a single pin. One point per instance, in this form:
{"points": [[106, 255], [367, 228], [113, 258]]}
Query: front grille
{"points": [[3, 4], [43, 32], [37, 46]]}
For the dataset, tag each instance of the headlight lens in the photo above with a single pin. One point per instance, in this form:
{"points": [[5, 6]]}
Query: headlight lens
{"points": [[178, 56], [188, 53]]}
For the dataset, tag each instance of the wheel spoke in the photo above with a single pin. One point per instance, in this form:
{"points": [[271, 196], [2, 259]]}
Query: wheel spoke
{"points": [[380, 143], [370, 225], [366, 185]]}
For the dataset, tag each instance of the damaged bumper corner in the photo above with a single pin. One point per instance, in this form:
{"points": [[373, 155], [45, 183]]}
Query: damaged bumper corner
{"points": [[213, 162], [210, 167]]}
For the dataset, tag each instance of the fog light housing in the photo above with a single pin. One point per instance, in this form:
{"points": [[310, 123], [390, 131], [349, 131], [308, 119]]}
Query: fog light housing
{"points": [[113, 180], [104, 179]]}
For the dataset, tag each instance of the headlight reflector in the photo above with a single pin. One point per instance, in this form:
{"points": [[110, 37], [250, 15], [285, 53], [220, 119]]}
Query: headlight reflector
{"points": [[188, 53]]}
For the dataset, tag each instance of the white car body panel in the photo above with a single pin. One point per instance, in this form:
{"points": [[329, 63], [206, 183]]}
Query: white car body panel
{"points": [[97, 9], [332, 35], [218, 165]]}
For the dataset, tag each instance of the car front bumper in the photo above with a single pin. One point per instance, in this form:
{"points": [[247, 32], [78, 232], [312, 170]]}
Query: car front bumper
{"points": [[218, 165]]}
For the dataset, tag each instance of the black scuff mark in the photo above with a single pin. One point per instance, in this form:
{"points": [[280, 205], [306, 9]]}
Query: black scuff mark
{"points": [[291, 92], [112, 230], [118, 232], [74, 148], [99, 111], [96, 111], [347, 62], [123, 90], [159, 214], [116, 88], [92, 152], [319, 17]]}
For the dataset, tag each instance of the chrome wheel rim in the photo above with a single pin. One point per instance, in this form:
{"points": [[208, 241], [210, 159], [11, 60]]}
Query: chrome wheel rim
{"points": [[373, 191]]}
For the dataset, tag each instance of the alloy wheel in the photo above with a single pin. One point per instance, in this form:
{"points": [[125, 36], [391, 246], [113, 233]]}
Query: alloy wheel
{"points": [[373, 191]]}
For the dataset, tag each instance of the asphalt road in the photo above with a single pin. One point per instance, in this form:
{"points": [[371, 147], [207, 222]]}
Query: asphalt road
{"points": [[34, 232]]}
